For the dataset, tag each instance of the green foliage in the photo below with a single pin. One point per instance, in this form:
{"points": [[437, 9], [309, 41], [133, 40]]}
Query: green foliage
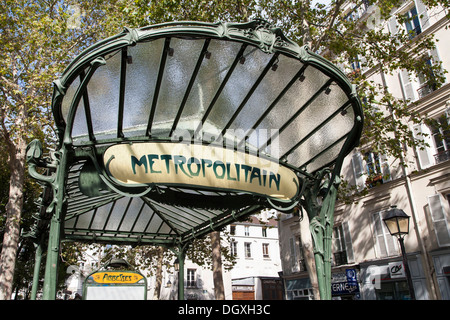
{"points": [[39, 39]]}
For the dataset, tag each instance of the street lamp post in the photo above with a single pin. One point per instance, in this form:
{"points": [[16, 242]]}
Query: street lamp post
{"points": [[397, 222]]}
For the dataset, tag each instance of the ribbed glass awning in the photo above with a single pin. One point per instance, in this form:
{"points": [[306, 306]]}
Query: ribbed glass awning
{"points": [[178, 129]]}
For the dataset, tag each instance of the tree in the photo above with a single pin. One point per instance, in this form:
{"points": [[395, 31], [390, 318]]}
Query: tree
{"points": [[219, 290], [38, 40]]}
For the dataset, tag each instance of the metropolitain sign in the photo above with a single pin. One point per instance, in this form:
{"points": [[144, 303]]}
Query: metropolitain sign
{"points": [[199, 166]]}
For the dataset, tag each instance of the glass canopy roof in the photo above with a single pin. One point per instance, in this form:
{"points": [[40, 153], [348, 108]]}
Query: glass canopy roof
{"points": [[239, 87]]}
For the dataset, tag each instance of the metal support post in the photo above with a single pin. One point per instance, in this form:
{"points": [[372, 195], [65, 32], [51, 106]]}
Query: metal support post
{"points": [[180, 252], [52, 263], [319, 202], [37, 266], [407, 271], [181, 257], [58, 206]]}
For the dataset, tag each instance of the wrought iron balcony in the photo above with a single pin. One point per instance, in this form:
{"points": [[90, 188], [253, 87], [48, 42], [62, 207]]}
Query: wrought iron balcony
{"points": [[426, 89], [442, 156]]}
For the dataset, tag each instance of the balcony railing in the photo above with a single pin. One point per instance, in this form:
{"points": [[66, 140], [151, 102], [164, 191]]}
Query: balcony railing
{"points": [[425, 90], [442, 156], [340, 258]]}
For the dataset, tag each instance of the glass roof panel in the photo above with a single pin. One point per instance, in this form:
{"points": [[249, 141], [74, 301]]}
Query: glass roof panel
{"points": [[312, 117], [155, 224], [121, 209], [67, 100], [103, 92], [213, 71], [268, 90], [102, 214], [80, 129], [295, 98], [143, 219], [326, 157], [132, 213], [325, 137], [179, 68], [140, 85], [239, 84]]}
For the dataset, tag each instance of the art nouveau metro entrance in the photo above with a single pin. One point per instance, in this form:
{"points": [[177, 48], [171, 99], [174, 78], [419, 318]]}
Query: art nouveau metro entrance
{"points": [[168, 132]]}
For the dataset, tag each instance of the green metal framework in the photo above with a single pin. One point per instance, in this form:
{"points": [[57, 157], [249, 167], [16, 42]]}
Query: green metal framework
{"points": [[192, 83]]}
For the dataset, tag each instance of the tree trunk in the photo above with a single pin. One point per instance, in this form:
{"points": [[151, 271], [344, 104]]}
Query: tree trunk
{"points": [[13, 216], [158, 274], [219, 291]]}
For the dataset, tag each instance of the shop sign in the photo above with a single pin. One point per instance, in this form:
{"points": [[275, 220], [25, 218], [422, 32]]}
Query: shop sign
{"points": [[195, 165], [396, 270], [243, 288], [344, 283], [338, 288]]}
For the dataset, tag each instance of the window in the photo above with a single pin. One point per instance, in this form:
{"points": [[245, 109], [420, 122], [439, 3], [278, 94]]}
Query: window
{"points": [[384, 242], [396, 290], [440, 130], [265, 249], [427, 80], [342, 245], [370, 171], [339, 252], [439, 218], [293, 255], [248, 249], [412, 23], [415, 20], [297, 260], [191, 282], [246, 231], [232, 229], [302, 294], [234, 248], [436, 137], [417, 86], [264, 232], [301, 257]]}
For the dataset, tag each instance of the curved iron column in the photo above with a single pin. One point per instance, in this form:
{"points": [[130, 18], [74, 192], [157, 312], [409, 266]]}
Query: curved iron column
{"points": [[319, 201]]}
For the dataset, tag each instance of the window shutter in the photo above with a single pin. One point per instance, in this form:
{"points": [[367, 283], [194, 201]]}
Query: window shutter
{"points": [[435, 59], [385, 171], [393, 26], [358, 170], [379, 235], [423, 15], [384, 241], [336, 243], [293, 256], [424, 153], [407, 86], [348, 242], [439, 220]]}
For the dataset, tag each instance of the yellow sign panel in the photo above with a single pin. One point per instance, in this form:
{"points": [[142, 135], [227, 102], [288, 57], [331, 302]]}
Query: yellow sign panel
{"points": [[196, 165], [116, 277]]}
